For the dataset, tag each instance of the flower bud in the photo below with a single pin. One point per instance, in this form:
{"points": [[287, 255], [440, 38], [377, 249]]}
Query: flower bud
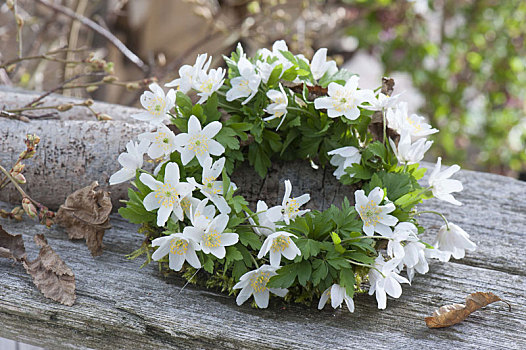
{"points": [[133, 86], [29, 207], [33, 139], [65, 107], [19, 20], [91, 88], [11, 68], [109, 68], [18, 168], [10, 4], [103, 116], [17, 211], [89, 102], [20, 178], [110, 78]]}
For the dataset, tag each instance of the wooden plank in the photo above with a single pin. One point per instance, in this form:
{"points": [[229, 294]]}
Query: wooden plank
{"points": [[120, 306]]}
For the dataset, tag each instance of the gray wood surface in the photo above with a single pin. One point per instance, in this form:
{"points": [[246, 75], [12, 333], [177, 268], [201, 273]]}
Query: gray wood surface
{"points": [[120, 306]]}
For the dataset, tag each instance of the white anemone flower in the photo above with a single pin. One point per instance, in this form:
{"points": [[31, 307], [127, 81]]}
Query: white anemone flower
{"points": [[403, 231], [187, 202], [289, 208], [166, 196], [337, 294], [319, 65], [385, 280], [415, 259], [278, 107], [162, 142], [454, 240], [131, 160], [187, 74], [211, 237], [441, 184], [344, 100], [210, 187], [180, 249], [407, 152], [343, 158], [157, 105], [207, 83], [399, 120], [200, 211], [247, 84], [382, 102], [277, 47], [198, 142], [255, 283], [265, 69], [278, 244], [266, 226], [375, 217]]}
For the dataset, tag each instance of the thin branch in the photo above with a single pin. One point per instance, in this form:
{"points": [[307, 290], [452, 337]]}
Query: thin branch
{"points": [[60, 86], [100, 30]]}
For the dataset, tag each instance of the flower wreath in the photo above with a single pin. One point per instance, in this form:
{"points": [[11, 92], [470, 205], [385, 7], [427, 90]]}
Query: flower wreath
{"points": [[280, 105]]}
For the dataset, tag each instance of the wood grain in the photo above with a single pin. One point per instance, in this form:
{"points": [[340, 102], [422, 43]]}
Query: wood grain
{"points": [[121, 306]]}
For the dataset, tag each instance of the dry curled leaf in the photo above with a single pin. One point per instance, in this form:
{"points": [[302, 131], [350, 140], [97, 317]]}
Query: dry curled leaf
{"points": [[11, 246], [376, 126], [50, 274], [85, 215], [449, 315]]}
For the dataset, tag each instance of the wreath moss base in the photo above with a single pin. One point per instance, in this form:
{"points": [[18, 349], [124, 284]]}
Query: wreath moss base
{"points": [[277, 106]]}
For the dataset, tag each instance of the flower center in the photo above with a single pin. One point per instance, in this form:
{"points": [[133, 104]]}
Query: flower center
{"points": [[178, 246], [198, 144], [167, 195], [212, 239], [259, 282], [292, 207], [280, 243], [165, 140], [370, 213], [162, 140], [156, 106]]}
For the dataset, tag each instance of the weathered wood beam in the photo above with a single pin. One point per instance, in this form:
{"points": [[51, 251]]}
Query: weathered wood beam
{"points": [[121, 306]]}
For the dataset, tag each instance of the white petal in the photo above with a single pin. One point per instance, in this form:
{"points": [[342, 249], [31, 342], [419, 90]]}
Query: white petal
{"points": [[121, 176], [171, 174], [215, 148], [280, 292], [275, 258], [176, 261], [229, 238], [186, 155], [161, 252], [392, 287], [192, 258], [245, 293], [323, 299], [150, 202], [163, 214], [218, 252], [261, 298], [149, 181], [194, 126]]}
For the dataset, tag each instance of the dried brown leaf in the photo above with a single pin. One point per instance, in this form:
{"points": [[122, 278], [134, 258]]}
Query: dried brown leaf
{"points": [[11, 246], [85, 215], [51, 275], [449, 315]]}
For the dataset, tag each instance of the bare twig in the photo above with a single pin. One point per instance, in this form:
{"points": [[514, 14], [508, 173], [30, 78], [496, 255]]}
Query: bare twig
{"points": [[61, 86], [99, 29], [9, 115]]}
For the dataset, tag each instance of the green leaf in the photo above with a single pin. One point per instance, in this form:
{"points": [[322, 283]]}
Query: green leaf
{"points": [[378, 149], [239, 203], [319, 272], [239, 270], [185, 103], [339, 263], [347, 281], [251, 239], [396, 184], [361, 257], [275, 75], [232, 254], [290, 74], [359, 172], [285, 277], [304, 272], [208, 264], [227, 137]]}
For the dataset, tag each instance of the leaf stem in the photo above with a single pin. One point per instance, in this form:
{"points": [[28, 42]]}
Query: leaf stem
{"points": [[436, 213]]}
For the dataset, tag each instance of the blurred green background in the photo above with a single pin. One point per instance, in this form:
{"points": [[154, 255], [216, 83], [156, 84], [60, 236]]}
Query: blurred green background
{"points": [[461, 63]]}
